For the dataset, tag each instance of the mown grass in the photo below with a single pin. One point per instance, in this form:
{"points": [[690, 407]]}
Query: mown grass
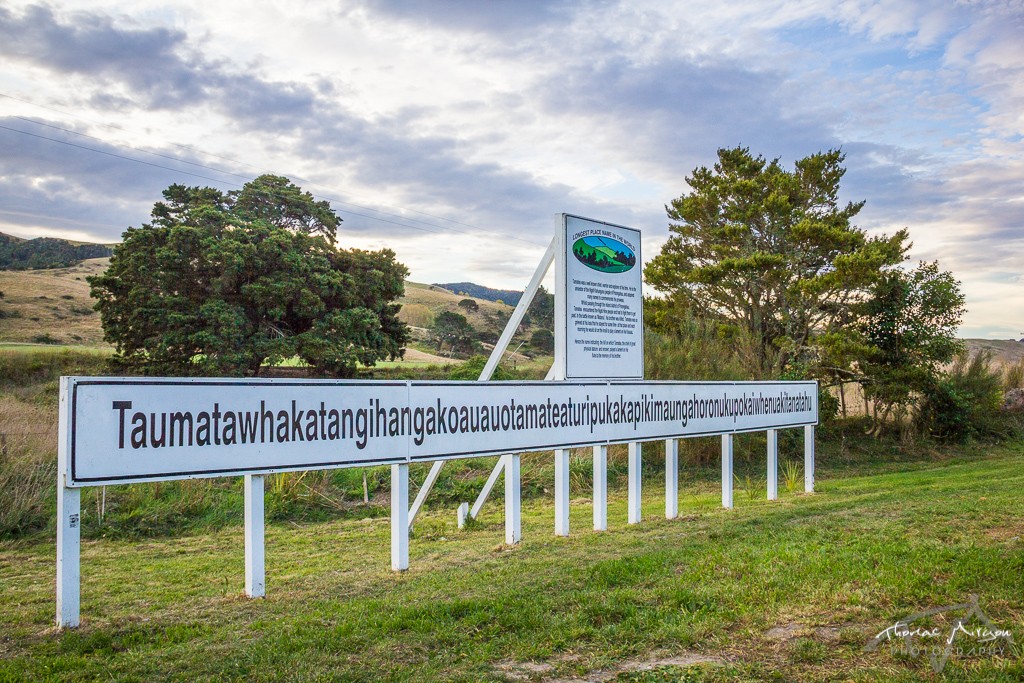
{"points": [[828, 571]]}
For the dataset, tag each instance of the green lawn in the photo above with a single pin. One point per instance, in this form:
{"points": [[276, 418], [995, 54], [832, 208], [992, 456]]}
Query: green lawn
{"points": [[791, 590]]}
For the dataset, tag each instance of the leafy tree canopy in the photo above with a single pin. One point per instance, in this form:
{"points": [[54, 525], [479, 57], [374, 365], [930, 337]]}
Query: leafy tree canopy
{"points": [[453, 332], [770, 254], [223, 283], [910, 324]]}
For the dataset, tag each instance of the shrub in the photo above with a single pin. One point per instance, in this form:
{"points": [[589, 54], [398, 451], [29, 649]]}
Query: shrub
{"points": [[692, 350], [964, 402], [471, 370], [543, 340]]}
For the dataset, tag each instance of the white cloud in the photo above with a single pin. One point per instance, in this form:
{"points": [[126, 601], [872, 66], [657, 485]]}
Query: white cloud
{"points": [[499, 115]]}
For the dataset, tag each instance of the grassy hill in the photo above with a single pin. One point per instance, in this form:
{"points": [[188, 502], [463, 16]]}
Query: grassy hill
{"points": [[1004, 351], [50, 306], [53, 306]]}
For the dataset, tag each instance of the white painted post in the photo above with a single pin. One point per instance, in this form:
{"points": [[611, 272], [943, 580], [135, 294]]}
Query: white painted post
{"points": [[773, 464], [633, 496], [601, 487], [400, 517], [513, 503], [809, 458], [461, 514], [671, 478], [562, 492], [69, 544], [255, 572], [727, 470]]}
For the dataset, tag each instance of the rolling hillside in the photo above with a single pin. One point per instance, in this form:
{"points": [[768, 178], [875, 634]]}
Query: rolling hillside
{"points": [[50, 306], [53, 306]]}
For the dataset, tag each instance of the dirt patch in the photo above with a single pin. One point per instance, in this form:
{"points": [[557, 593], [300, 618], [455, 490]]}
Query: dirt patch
{"points": [[534, 671], [785, 632], [523, 671], [417, 356], [1006, 534]]}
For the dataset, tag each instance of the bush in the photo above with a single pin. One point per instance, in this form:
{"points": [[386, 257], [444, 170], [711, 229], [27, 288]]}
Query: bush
{"points": [[543, 340], [470, 370], [21, 368], [692, 350], [965, 401]]}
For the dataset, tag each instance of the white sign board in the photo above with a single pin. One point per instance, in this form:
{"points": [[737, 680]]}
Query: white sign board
{"points": [[119, 430], [602, 327]]}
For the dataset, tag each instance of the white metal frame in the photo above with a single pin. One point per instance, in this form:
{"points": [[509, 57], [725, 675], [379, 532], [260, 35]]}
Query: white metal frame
{"points": [[68, 565], [488, 371]]}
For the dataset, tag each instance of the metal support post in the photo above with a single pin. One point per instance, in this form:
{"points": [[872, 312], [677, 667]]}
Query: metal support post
{"points": [[255, 571], [633, 494], [671, 478], [727, 470]]}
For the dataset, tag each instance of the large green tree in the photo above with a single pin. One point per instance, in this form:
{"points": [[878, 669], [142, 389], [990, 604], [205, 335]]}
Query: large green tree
{"points": [[224, 283], [452, 332], [910, 323], [773, 257]]}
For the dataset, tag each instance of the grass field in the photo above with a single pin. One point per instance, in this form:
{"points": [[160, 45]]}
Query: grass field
{"points": [[791, 590]]}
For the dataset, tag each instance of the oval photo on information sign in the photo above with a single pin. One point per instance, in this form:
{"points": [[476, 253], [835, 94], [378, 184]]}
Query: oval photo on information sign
{"points": [[604, 254]]}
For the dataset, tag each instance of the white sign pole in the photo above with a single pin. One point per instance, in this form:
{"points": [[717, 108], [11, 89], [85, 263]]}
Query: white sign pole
{"points": [[671, 478], [255, 548], [68, 555], [633, 485], [601, 488], [809, 458], [561, 492], [773, 464], [69, 522], [727, 470], [513, 501], [400, 517]]}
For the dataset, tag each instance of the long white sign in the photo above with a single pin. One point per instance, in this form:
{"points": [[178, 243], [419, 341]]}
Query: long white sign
{"points": [[119, 430], [601, 327]]}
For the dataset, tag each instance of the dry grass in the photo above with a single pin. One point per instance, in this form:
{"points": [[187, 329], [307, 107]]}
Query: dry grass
{"points": [[28, 468], [51, 305], [489, 316]]}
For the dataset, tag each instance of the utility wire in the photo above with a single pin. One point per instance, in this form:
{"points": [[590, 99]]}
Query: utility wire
{"points": [[440, 230], [235, 161]]}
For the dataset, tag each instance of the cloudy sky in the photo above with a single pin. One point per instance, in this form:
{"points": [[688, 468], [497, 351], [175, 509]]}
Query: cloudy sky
{"points": [[452, 131]]}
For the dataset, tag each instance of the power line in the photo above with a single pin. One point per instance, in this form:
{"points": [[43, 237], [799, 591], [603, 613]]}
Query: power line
{"points": [[235, 161], [440, 230]]}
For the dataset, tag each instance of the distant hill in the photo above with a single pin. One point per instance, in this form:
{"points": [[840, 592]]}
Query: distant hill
{"points": [[1003, 351], [46, 252], [51, 306], [506, 296]]}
